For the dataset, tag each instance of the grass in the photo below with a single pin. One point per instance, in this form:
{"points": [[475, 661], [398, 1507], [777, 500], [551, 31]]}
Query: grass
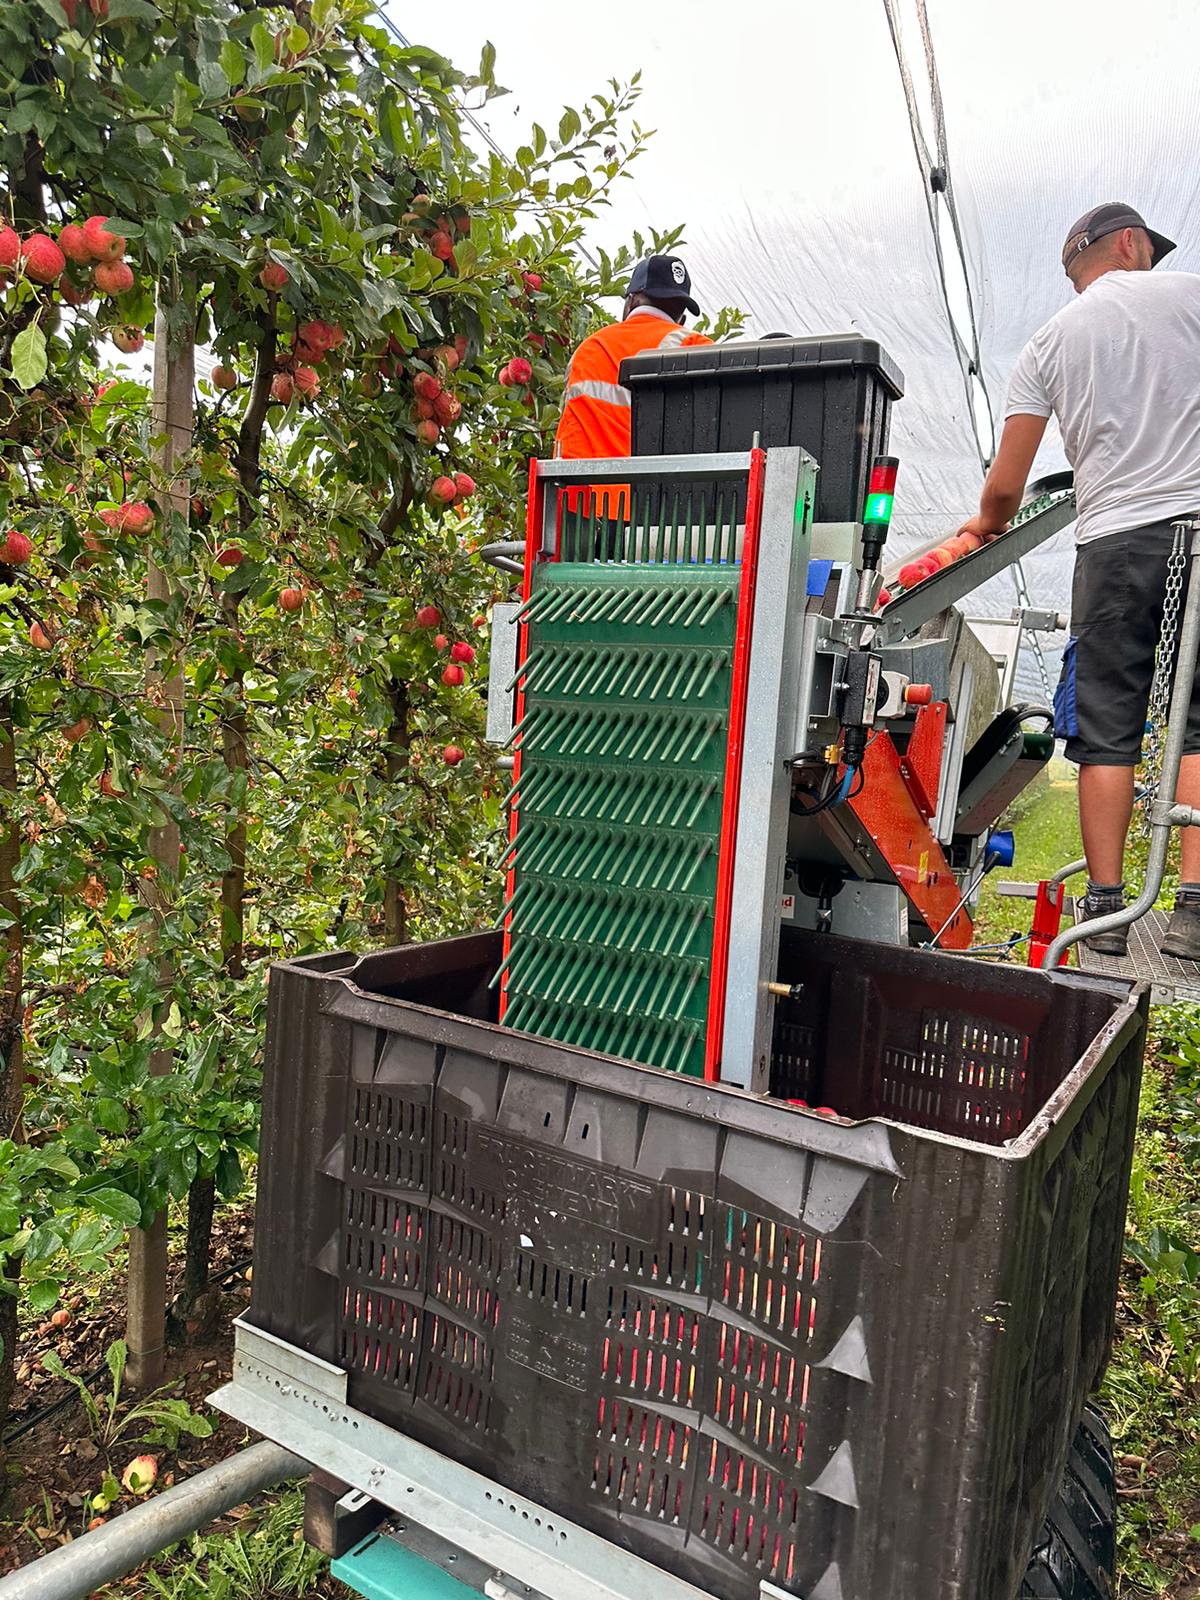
{"points": [[265, 1558], [1045, 825], [1152, 1389]]}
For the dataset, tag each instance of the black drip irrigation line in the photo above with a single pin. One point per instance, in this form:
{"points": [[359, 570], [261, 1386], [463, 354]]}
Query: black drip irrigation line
{"points": [[27, 1424]]}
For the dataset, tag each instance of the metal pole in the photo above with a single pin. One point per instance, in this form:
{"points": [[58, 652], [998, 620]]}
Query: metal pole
{"points": [[94, 1559], [1165, 814], [1069, 871], [174, 385], [507, 554]]}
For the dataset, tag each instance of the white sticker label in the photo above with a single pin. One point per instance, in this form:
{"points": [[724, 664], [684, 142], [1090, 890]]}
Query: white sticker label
{"points": [[787, 906]]}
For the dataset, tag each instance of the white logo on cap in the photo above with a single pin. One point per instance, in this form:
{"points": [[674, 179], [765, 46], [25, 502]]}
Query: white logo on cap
{"points": [[678, 271]]}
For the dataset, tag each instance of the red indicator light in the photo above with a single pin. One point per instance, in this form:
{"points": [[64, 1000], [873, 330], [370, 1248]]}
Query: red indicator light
{"points": [[883, 475]]}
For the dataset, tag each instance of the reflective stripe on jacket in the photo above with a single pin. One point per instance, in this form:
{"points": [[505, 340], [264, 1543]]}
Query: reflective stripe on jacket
{"points": [[596, 419]]}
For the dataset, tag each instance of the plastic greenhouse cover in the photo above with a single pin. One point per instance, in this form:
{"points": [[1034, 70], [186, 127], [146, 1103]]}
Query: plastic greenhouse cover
{"points": [[782, 140]]}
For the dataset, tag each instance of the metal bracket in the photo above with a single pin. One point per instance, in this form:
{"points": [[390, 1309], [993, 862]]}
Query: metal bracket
{"points": [[1036, 621], [298, 1399], [502, 663]]}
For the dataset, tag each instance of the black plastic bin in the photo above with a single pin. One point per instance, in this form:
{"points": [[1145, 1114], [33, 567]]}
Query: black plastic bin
{"points": [[832, 395], [746, 1341]]}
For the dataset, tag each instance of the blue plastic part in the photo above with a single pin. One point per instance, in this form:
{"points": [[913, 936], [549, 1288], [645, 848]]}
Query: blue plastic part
{"points": [[381, 1569], [818, 577], [1000, 850]]}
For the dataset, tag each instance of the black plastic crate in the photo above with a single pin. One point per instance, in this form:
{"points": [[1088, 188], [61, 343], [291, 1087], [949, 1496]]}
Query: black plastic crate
{"points": [[745, 1341], [831, 395]]}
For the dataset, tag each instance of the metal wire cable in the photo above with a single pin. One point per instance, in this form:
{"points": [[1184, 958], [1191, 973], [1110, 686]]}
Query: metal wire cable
{"points": [[969, 357]]}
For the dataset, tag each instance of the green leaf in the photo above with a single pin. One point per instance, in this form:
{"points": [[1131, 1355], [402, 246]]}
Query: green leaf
{"points": [[228, 1176], [114, 1359], [44, 1294], [29, 360], [264, 46], [568, 125], [58, 1161], [233, 62], [214, 82], [138, 10], [114, 1203]]}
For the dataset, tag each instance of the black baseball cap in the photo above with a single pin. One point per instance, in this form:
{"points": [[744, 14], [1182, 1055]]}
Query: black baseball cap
{"points": [[663, 278], [1111, 218]]}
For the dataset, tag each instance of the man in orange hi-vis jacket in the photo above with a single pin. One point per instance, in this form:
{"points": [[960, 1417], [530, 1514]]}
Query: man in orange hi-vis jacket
{"points": [[596, 408]]}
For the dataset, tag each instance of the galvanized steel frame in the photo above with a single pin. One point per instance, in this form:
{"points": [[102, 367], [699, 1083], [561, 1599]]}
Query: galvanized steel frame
{"points": [[773, 688], [299, 1400]]}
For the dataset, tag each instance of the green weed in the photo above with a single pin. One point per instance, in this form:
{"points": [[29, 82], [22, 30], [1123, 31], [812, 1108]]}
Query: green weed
{"points": [[264, 1559]]}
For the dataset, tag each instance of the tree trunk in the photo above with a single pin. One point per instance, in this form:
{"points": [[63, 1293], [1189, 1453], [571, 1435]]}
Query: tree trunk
{"points": [[202, 1201], [12, 982], [399, 735], [174, 385]]}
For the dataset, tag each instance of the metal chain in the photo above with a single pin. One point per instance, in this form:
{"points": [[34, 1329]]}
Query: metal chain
{"points": [[1160, 688]]}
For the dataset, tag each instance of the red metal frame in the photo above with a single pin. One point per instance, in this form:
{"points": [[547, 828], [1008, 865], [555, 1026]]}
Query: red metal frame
{"points": [[1047, 917], [733, 767], [535, 509], [888, 810], [921, 762]]}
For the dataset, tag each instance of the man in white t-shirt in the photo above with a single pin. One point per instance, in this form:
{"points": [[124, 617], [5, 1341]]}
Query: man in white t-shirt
{"points": [[1120, 369]]}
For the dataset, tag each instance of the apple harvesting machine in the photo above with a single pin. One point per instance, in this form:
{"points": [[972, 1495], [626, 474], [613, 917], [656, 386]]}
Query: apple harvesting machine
{"points": [[715, 1227]]}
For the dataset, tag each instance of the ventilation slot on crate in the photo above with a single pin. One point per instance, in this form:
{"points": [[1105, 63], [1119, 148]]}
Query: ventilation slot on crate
{"points": [[966, 1077], [379, 1336], [387, 1138], [457, 1373], [679, 1264], [769, 1273], [760, 1393], [384, 1241], [462, 1272], [651, 1349], [558, 1287], [643, 1460], [455, 1186], [749, 1510], [794, 1062]]}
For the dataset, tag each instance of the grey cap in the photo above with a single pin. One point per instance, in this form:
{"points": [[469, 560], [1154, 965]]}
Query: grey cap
{"points": [[1111, 217]]}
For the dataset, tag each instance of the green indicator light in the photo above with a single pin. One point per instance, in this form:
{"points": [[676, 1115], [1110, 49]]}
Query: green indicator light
{"points": [[879, 508]]}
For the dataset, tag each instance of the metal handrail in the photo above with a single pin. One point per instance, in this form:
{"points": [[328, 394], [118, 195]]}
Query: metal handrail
{"points": [[1165, 814]]}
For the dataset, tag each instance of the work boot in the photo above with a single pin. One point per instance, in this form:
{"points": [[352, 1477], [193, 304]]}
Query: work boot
{"points": [[1182, 938], [1102, 904]]}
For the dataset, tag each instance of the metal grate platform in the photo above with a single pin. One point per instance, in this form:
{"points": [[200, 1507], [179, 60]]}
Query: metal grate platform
{"points": [[1170, 980]]}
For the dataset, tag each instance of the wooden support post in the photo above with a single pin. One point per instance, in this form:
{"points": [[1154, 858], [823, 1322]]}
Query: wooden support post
{"points": [[174, 388]]}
